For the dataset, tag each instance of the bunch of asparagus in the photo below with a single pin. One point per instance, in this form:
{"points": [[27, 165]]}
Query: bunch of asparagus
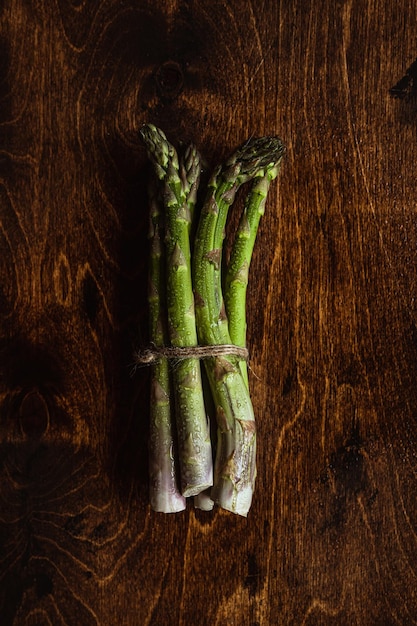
{"points": [[192, 322]]}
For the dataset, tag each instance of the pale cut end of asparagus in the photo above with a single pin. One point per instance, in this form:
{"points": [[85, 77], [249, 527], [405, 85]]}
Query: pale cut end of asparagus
{"points": [[238, 502], [235, 470], [167, 502], [203, 501]]}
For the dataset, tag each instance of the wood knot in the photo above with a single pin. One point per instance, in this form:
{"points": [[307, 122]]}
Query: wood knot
{"points": [[33, 414], [169, 80]]}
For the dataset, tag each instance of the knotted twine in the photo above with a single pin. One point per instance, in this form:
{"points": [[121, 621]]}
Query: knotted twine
{"points": [[154, 353]]}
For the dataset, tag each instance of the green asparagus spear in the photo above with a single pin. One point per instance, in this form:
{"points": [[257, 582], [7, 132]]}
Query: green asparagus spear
{"points": [[163, 486], [235, 465], [195, 456], [237, 273]]}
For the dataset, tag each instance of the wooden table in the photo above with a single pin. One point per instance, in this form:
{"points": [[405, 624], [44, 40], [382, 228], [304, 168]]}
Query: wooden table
{"points": [[331, 536]]}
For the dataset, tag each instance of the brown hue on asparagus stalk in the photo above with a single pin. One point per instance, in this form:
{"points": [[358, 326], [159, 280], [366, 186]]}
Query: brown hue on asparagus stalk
{"points": [[163, 482], [235, 466]]}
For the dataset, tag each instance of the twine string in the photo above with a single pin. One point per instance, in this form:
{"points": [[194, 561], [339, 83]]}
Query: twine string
{"points": [[154, 353]]}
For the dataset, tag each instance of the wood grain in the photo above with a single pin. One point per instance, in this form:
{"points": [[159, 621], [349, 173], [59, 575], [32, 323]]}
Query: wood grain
{"points": [[331, 537]]}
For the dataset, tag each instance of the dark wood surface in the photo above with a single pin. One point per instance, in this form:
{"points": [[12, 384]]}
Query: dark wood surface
{"points": [[331, 536]]}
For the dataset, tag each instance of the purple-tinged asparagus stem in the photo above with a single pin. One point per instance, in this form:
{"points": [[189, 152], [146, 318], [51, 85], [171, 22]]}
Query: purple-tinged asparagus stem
{"points": [[165, 496]]}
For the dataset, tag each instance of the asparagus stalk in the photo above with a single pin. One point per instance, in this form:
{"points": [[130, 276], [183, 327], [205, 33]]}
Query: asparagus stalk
{"points": [[180, 185], [235, 464], [237, 273], [163, 486]]}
